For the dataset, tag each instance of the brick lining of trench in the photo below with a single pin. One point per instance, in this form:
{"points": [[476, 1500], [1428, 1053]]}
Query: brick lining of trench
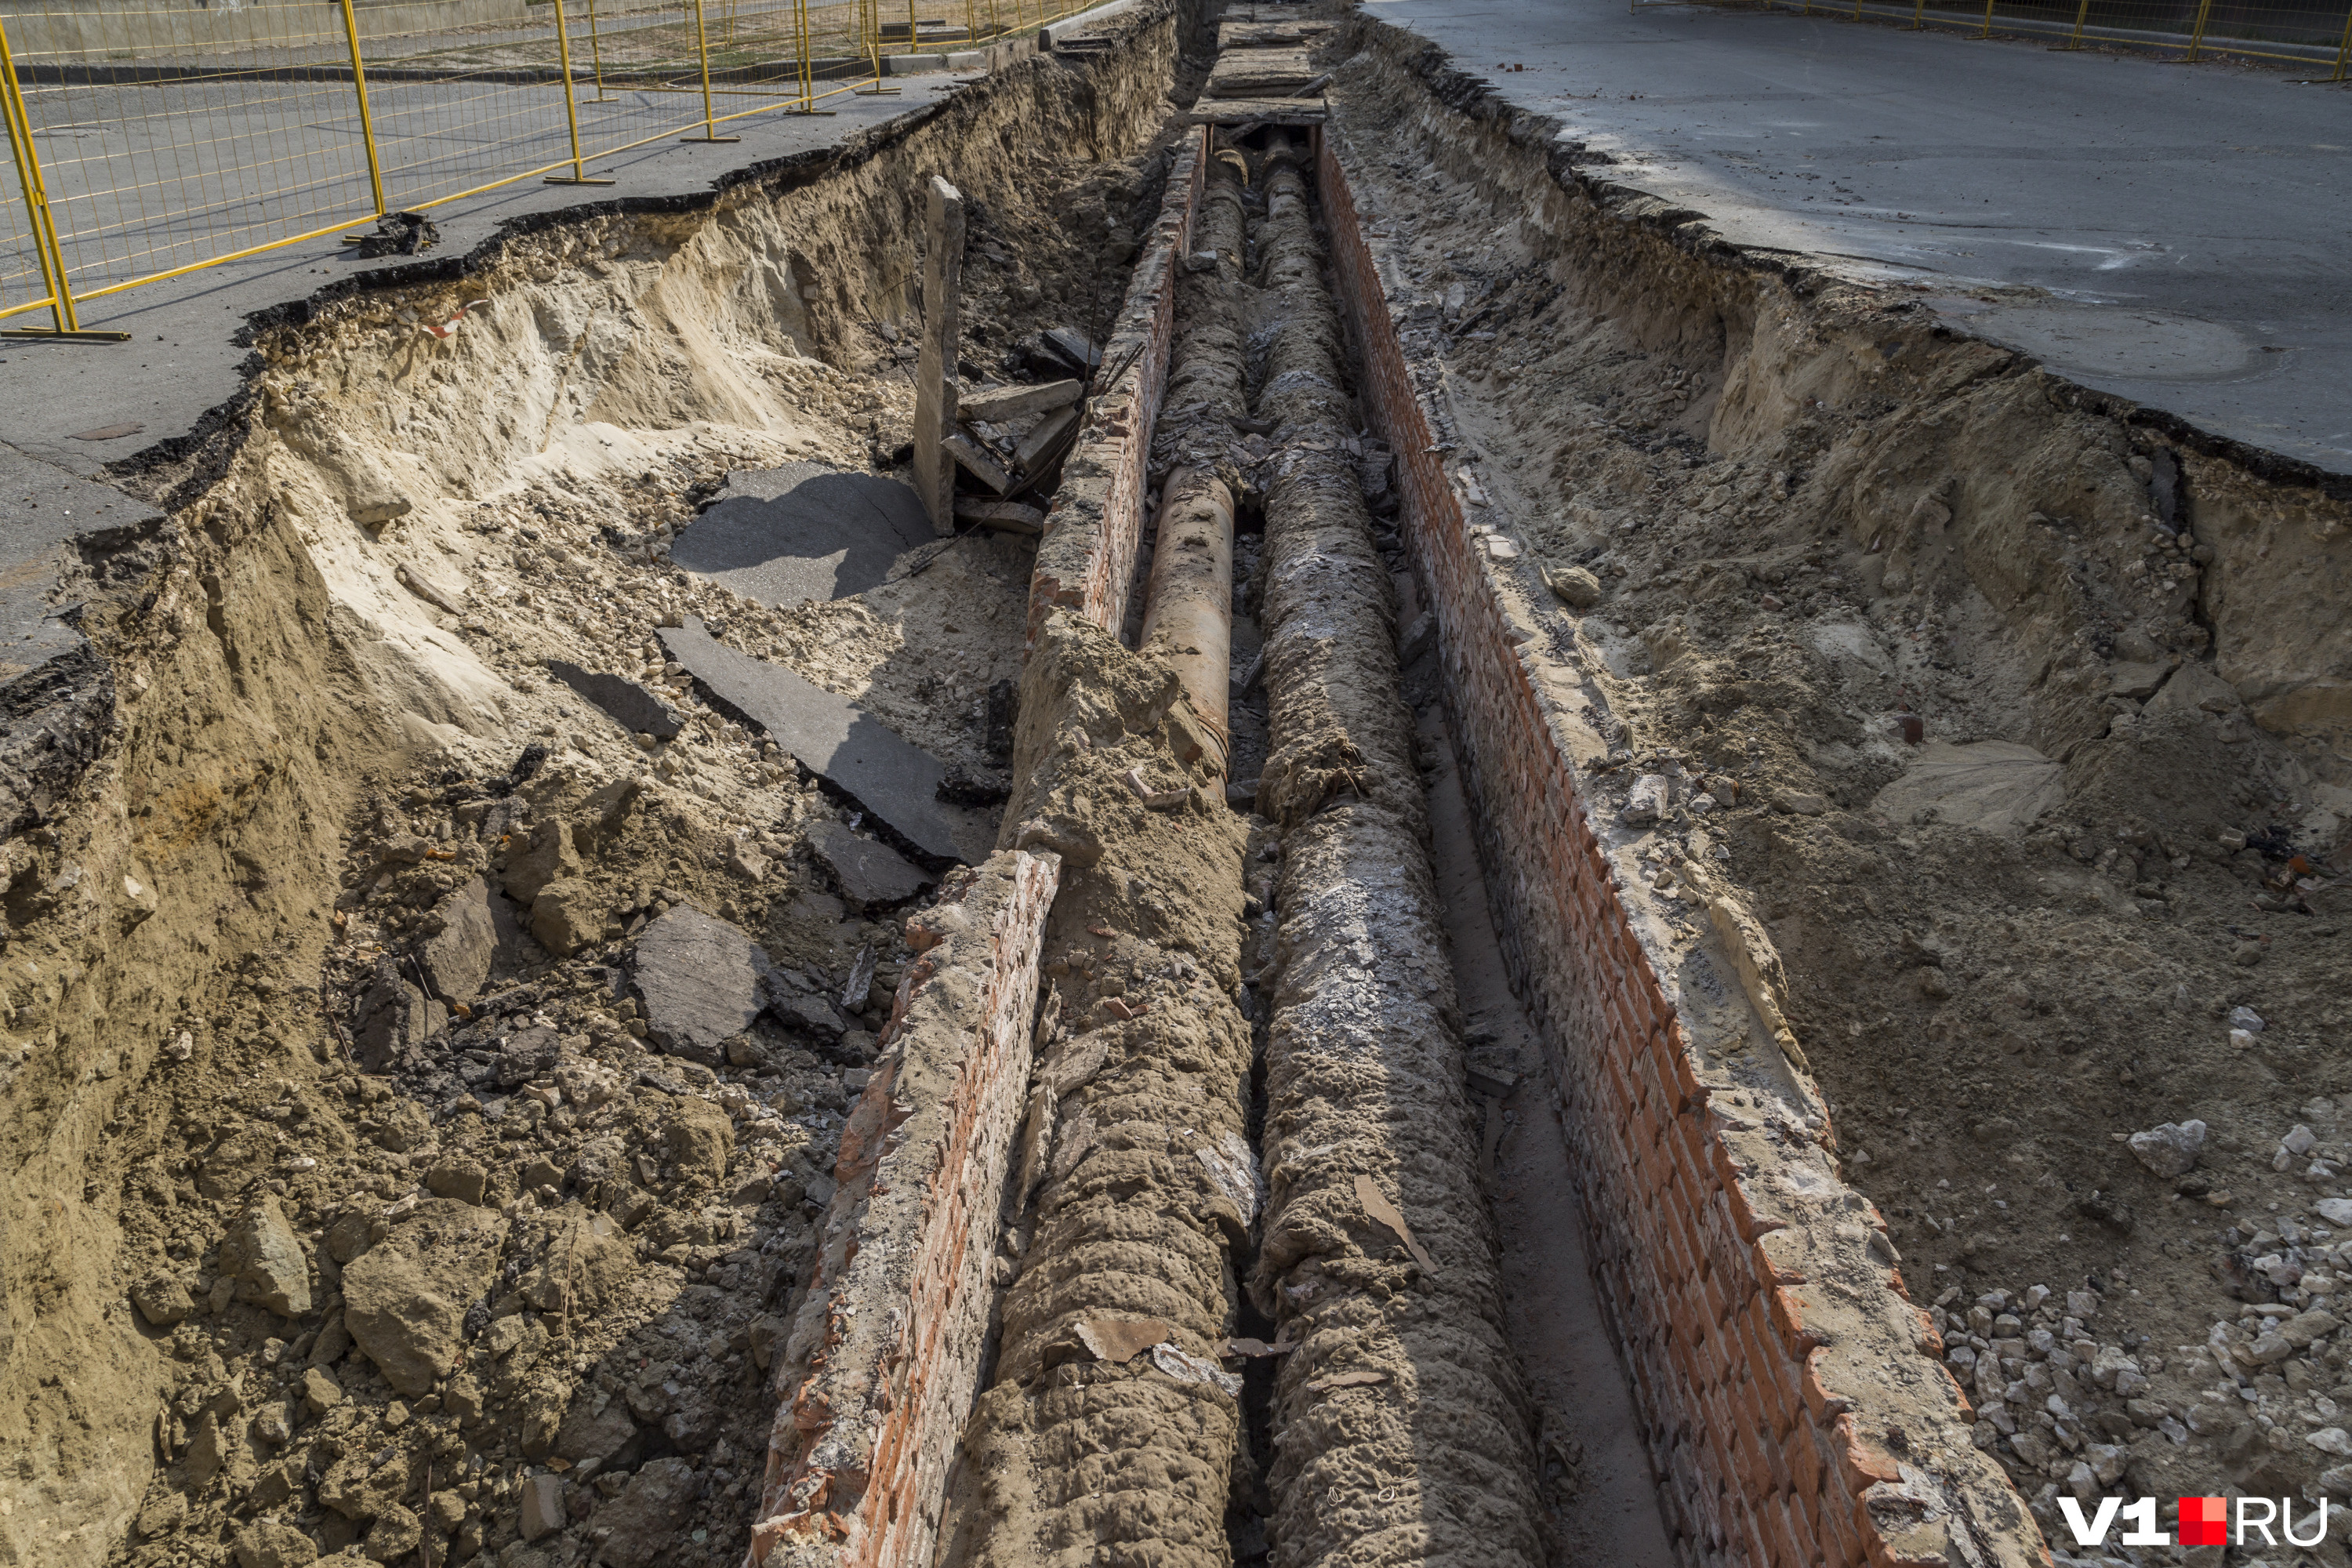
{"points": [[1086, 559], [877, 1376], [1793, 1398], [883, 1358]]}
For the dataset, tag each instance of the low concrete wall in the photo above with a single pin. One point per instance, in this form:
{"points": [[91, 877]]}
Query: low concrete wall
{"points": [[879, 1372], [1793, 1398]]}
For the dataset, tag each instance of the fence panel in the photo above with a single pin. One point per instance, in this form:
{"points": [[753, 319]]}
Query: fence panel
{"points": [[154, 138]]}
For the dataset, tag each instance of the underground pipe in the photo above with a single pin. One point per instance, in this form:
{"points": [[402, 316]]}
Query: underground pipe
{"points": [[1401, 1430], [1187, 618]]}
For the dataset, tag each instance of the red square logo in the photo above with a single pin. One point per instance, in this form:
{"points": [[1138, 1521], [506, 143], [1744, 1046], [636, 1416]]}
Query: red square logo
{"points": [[2204, 1521]]}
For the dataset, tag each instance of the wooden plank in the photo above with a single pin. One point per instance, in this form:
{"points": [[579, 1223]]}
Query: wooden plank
{"points": [[1003, 516], [980, 464], [1269, 35], [1260, 111], [935, 365], [1002, 403], [1260, 73]]}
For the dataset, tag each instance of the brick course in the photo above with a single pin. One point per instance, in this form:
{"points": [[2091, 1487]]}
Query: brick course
{"points": [[879, 1372]]}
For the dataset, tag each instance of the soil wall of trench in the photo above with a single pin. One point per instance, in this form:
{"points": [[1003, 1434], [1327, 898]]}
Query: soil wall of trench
{"points": [[1736, 570], [267, 673]]}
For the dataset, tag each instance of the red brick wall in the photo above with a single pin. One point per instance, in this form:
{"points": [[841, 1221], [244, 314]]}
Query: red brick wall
{"points": [[896, 1319], [1772, 1451], [1086, 562]]}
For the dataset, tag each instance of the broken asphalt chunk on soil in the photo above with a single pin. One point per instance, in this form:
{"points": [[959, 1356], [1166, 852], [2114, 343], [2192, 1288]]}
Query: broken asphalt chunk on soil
{"points": [[626, 702], [802, 531], [867, 873], [841, 743], [700, 981]]}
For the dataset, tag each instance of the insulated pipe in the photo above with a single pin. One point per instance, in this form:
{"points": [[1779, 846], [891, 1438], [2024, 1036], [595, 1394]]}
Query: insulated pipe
{"points": [[1109, 1429], [1401, 1432], [1188, 619]]}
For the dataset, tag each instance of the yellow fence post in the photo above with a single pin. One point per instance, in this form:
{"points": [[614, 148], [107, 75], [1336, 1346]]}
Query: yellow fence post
{"points": [[2197, 38], [2082, 14], [1918, 14], [1987, 31], [45, 222], [869, 43], [702, 47], [595, 51], [36, 205], [807, 104], [367, 121], [2344, 48], [579, 175]]}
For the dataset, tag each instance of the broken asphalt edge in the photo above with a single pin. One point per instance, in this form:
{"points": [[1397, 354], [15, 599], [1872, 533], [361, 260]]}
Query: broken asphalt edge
{"points": [[1572, 163]]}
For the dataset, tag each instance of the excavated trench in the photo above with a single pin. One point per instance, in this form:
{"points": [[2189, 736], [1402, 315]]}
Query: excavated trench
{"points": [[1515, 713]]}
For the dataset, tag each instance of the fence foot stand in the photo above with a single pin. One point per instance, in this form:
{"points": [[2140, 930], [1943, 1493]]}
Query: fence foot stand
{"points": [[710, 138], [579, 180], [56, 335]]}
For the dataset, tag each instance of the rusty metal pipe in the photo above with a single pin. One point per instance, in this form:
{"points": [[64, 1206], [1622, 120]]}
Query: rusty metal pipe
{"points": [[1188, 618]]}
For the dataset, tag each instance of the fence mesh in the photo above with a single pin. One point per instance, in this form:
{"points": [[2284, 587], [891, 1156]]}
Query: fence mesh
{"points": [[168, 137]]}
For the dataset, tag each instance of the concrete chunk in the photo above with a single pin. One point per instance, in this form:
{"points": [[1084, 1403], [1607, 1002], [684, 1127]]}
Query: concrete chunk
{"points": [[456, 961], [840, 741], [998, 404], [702, 981], [867, 873]]}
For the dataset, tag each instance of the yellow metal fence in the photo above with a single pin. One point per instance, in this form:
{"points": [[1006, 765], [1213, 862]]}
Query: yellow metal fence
{"points": [[2313, 34], [148, 140]]}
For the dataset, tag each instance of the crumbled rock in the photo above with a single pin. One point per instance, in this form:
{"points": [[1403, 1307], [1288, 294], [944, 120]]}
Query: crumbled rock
{"points": [[320, 1392], [163, 1299], [551, 858], [2171, 1149], [405, 1299], [542, 1506], [1576, 587], [396, 1020], [699, 1140], [456, 958], [567, 916], [649, 1510], [266, 1543], [263, 1255], [1648, 801]]}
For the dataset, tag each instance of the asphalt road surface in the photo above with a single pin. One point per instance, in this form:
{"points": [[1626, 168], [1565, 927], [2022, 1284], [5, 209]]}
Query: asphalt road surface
{"points": [[2175, 234]]}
